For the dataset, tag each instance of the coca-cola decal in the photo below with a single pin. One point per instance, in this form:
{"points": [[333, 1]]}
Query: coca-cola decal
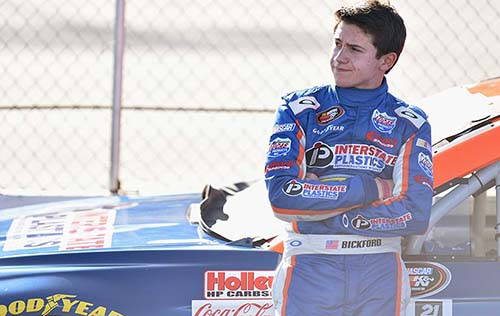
{"points": [[427, 278], [237, 285], [232, 308]]}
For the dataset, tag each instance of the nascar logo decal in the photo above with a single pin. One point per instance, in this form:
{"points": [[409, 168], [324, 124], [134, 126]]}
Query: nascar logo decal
{"points": [[427, 278], [383, 122], [329, 115], [313, 191]]}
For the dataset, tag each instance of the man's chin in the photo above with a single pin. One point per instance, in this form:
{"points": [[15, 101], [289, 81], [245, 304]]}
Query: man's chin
{"points": [[343, 84]]}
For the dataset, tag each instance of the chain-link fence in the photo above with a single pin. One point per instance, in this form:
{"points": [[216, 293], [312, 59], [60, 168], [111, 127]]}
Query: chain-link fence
{"points": [[201, 80]]}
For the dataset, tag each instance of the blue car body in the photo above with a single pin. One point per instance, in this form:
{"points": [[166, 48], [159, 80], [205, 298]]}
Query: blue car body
{"points": [[141, 256]]}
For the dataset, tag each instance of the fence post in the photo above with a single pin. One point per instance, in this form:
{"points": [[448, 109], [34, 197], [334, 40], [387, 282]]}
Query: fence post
{"points": [[114, 185]]}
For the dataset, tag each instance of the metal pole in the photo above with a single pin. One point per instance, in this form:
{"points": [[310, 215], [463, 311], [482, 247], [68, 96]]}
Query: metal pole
{"points": [[114, 185], [452, 200], [478, 224]]}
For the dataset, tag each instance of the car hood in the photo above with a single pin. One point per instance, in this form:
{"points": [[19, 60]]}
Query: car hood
{"points": [[99, 224]]}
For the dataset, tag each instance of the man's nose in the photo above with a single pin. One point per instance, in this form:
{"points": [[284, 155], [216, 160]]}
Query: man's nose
{"points": [[339, 55]]}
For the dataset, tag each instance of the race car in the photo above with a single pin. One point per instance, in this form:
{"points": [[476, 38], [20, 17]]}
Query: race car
{"points": [[214, 253]]}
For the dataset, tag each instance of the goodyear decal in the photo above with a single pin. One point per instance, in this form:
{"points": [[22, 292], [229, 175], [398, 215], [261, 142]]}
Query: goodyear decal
{"points": [[231, 285], [329, 128], [57, 304]]}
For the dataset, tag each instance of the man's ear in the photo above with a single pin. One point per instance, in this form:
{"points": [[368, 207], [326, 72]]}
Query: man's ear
{"points": [[387, 61]]}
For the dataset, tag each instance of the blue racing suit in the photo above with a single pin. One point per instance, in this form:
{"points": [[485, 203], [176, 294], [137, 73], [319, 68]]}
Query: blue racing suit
{"points": [[342, 245]]}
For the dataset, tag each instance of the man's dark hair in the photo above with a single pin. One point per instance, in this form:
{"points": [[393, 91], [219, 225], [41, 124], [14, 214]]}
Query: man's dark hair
{"points": [[379, 20]]}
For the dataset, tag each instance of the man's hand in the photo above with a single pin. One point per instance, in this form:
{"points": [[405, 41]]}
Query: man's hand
{"points": [[384, 188]]}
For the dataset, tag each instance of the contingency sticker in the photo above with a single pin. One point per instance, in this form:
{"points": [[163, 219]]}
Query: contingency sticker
{"points": [[427, 278], [70, 230], [232, 308], [429, 308], [237, 285], [57, 304]]}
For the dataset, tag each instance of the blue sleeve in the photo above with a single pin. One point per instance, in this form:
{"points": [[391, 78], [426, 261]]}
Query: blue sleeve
{"points": [[292, 198], [408, 210]]}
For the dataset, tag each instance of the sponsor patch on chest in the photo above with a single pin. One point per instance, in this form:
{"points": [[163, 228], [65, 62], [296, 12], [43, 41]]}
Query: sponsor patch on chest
{"points": [[350, 156], [383, 122]]}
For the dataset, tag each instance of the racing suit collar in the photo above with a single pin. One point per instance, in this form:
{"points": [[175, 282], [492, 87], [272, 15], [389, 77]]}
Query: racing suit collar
{"points": [[362, 97]]}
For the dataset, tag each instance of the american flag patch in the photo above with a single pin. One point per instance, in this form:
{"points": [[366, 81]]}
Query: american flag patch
{"points": [[424, 144], [331, 244]]}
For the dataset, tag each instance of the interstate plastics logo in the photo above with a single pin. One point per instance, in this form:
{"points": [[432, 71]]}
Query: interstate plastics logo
{"points": [[57, 304]]}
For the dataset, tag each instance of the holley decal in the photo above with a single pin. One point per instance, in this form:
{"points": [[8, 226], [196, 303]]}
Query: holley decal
{"points": [[233, 285]]}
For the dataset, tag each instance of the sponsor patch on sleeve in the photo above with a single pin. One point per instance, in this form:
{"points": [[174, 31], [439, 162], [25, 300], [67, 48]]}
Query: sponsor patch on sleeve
{"points": [[279, 147], [288, 127], [313, 191], [425, 163], [424, 144], [304, 103], [381, 223], [407, 113]]}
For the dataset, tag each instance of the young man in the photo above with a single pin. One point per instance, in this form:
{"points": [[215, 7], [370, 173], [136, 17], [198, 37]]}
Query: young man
{"points": [[349, 170]]}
